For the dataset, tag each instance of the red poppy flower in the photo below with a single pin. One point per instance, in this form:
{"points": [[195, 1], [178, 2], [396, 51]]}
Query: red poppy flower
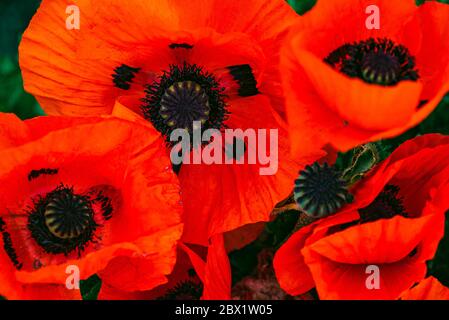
{"points": [[428, 289], [346, 84], [94, 193], [219, 58], [394, 223], [121, 48], [199, 273]]}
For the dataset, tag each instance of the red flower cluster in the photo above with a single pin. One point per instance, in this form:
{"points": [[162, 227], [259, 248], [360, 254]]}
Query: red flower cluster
{"points": [[92, 185], [395, 224]]}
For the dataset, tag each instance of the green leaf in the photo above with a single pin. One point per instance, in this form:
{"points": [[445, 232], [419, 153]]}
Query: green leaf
{"points": [[420, 2], [90, 288], [439, 266], [302, 6], [363, 159], [355, 163], [13, 98], [14, 18], [437, 122], [281, 228], [245, 260]]}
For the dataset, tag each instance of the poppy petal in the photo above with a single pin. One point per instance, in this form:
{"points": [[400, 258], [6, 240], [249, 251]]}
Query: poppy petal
{"points": [[343, 258], [336, 281], [428, 289], [130, 167], [291, 271], [250, 196], [217, 284], [329, 107], [70, 71]]}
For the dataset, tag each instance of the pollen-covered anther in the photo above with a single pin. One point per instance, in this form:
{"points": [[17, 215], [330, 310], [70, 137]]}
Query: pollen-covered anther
{"points": [[376, 61], [183, 103], [320, 190]]}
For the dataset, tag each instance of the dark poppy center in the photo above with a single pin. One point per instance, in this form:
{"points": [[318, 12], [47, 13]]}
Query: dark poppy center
{"points": [[320, 190], [380, 67], [62, 221], [68, 215], [388, 204], [185, 290], [376, 61], [183, 95], [183, 103]]}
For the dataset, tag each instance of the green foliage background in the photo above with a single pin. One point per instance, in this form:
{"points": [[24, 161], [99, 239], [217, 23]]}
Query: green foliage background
{"points": [[14, 18]]}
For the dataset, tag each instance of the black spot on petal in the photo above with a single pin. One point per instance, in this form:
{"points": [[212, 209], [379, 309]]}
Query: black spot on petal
{"points": [[244, 76], [123, 76], [8, 246], [180, 46], [34, 174]]}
